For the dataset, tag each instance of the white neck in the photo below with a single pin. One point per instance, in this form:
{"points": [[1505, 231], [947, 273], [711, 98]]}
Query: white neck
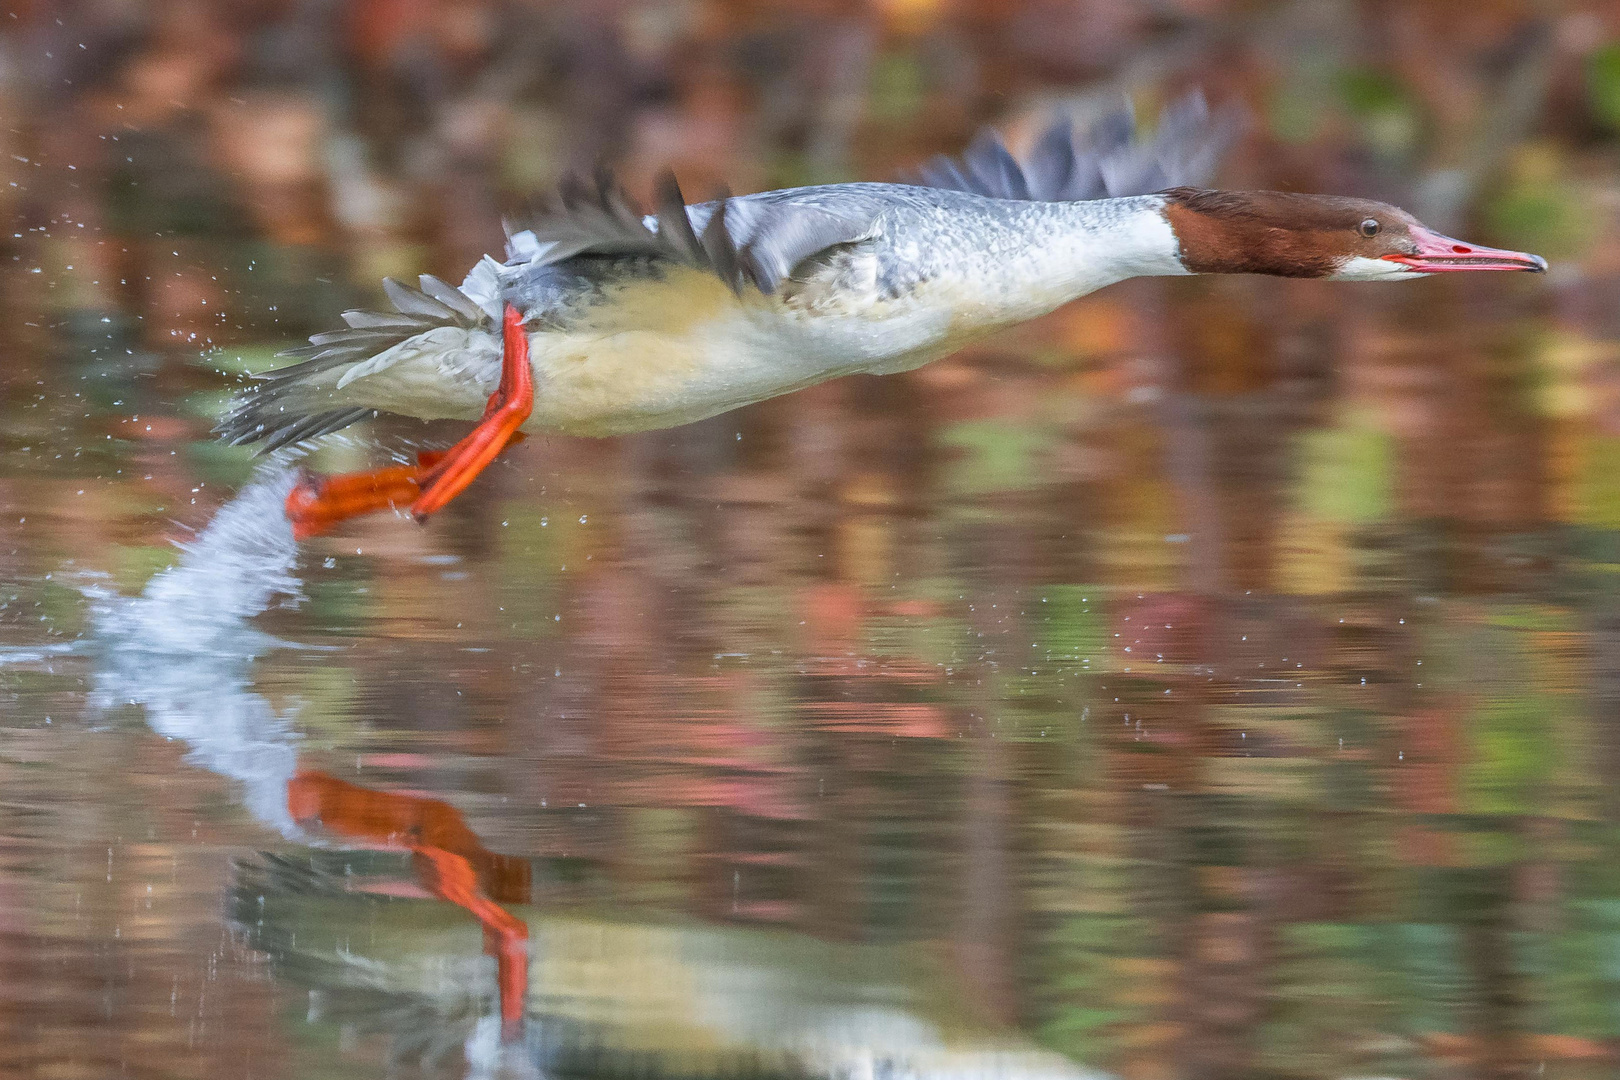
{"points": [[1051, 253]]}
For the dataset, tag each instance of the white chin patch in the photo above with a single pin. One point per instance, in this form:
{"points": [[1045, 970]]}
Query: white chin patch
{"points": [[1361, 268]]}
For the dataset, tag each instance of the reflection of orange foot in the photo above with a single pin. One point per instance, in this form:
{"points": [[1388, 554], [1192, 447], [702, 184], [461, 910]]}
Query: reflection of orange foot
{"points": [[318, 503], [506, 937], [450, 861]]}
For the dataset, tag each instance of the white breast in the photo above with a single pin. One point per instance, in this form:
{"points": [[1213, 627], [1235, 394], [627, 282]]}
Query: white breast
{"points": [[669, 352]]}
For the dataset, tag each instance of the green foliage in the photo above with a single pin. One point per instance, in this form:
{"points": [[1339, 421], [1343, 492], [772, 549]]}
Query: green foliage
{"points": [[999, 455], [532, 549], [138, 562], [898, 89], [1074, 626], [1331, 990], [1599, 503], [60, 608], [1427, 960], [1386, 110], [343, 601], [219, 463], [1603, 84], [1547, 218], [1528, 617], [1514, 756], [1345, 474], [1084, 986], [1583, 971], [1296, 111]]}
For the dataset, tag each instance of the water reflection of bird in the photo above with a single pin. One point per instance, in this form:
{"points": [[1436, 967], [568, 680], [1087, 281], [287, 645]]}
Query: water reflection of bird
{"points": [[603, 320], [574, 992], [184, 650], [613, 996]]}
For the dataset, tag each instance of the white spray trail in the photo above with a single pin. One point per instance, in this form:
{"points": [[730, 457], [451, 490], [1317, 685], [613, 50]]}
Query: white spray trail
{"points": [[184, 650]]}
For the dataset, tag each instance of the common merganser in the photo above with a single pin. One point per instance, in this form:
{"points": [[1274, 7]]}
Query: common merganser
{"points": [[604, 320]]}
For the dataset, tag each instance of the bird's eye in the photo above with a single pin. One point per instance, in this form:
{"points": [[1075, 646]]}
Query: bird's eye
{"points": [[1370, 227]]}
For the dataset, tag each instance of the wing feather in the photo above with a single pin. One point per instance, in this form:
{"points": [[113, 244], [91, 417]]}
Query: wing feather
{"points": [[674, 226], [1109, 162], [781, 237], [414, 302], [458, 302], [741, 241]]}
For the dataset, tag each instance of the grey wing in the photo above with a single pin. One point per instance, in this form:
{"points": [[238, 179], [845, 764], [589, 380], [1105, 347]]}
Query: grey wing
{"points": [[744, 242], [1109, 162]]}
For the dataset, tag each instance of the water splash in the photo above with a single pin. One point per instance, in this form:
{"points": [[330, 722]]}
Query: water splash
{"points": [[241, 562], [183, 649]]}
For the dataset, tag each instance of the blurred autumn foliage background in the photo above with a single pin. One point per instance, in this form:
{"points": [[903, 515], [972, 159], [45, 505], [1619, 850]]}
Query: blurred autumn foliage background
{"points": [[1222, 673], [388, 136]]}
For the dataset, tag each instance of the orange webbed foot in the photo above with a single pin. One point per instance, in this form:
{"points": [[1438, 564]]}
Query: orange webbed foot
{"points": [[317, 503]]}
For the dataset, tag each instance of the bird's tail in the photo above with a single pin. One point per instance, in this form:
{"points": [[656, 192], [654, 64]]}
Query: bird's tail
{"points": [[307, 399]]}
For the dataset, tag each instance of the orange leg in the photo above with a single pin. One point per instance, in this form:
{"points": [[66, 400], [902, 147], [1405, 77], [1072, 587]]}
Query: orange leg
{"points": [[450, 861], [316, 504], [508, 407], [506, 937]]}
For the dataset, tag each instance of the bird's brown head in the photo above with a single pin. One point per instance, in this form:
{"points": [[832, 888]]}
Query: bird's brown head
{"points": [[1318, 236]]}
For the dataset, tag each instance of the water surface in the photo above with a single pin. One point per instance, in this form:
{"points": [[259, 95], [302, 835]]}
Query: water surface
{"points": [[1215, 679]]}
